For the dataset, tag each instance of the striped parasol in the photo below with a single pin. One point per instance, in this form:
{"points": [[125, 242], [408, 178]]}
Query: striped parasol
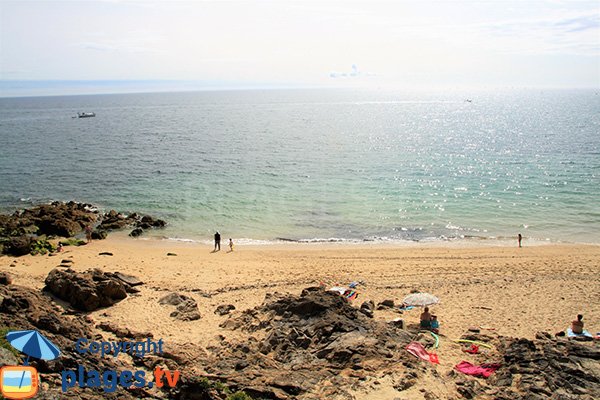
{"points": [[420, 299]]}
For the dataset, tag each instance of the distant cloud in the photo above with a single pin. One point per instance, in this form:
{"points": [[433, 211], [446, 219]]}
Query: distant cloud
{"points": [[353, 73], [559, 34]]}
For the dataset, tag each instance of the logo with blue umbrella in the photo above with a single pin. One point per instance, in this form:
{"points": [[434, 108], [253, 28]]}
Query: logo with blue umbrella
{"points": [[21, 382], [33, 344]]}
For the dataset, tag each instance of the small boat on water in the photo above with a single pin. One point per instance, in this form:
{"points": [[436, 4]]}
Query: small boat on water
{"points": [[86, 114]]}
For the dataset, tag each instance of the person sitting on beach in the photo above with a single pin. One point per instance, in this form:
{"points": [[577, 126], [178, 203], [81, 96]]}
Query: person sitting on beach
{"points": [[230, 245], [426, 319], [435, 324], [577, 325], [59, 247]]}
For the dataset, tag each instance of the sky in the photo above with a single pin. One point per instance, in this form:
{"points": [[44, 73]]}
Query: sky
{"points": [[305, 43]]}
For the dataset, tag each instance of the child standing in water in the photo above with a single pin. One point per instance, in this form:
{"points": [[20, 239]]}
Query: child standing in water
{"points": [[230, 244]]}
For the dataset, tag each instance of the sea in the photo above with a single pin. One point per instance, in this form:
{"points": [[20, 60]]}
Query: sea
{"points": [[317, 165]]}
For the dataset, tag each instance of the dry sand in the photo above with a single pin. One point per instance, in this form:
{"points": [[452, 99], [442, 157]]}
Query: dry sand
{"points": [[515, 291]]}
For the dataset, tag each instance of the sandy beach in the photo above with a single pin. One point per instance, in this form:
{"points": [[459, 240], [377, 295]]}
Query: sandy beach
{"points": [[516, 291], [512, 291]]}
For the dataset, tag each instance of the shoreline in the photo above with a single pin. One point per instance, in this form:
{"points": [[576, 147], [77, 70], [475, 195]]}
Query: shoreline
{"points": [[477, 242]]}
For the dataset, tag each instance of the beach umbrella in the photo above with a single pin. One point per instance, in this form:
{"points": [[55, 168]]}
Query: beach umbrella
{"points": [[420, 299], [33, 344]]}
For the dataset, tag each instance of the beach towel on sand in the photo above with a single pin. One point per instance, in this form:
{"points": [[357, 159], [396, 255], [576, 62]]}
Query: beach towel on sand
{"points": [[417, 350], [483, 370], [584, 334]]}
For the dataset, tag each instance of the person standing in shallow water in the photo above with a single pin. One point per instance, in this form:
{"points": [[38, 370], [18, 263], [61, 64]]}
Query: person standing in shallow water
{"points": [[520, 238], [217, 241]]}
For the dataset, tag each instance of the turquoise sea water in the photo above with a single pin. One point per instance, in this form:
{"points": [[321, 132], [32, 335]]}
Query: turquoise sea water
{"points": [[317, 164]]}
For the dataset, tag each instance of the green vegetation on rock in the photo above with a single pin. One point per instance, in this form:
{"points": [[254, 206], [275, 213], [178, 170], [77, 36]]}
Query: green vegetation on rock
{"points": [[73, 242], [4, 343], [42, 246]]}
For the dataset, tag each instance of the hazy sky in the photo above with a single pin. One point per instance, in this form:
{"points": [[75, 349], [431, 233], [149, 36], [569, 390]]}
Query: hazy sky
{"points": [[396, 43]]}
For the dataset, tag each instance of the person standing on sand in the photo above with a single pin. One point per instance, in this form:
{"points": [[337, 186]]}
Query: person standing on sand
{"points": [[88, 233], [217, 241], [520, 238], [230, 245]]}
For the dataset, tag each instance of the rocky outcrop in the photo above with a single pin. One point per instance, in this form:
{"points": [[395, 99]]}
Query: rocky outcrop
{"points": [[18, 246], [308, 346], [545, 368], [85, 291], [22, 231], [114, 220], [36, 310]]}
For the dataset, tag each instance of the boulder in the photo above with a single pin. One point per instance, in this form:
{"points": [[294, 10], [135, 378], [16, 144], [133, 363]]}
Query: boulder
{"points": [[5, 278], [19, 246], [187, 308], [128, 279], [385, 304], [224, 309], [58, 226], [368, 308], [172, 299], [136, 232], [85, 291], [152, 222], [187, 311], [99, 234]]}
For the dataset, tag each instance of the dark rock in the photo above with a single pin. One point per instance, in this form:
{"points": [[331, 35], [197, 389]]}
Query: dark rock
{"points": [[99, 234], [5, 278], [128, 279], [105, 253], [316, 335], [187, 311], [136, 232], [85, 291], [368, 308], [172, 299], [171, 254], [385, 304], [56, 226], [152, 222], [18, 246], [224, 309], [187, 308]]}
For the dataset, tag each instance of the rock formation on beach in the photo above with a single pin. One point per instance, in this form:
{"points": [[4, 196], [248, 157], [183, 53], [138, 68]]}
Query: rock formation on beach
{"points": [[86, 291], [27, 230]]}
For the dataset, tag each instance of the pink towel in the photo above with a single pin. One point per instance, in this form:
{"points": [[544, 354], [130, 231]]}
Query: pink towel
{"points": [[484, 370], [417, 350]]}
